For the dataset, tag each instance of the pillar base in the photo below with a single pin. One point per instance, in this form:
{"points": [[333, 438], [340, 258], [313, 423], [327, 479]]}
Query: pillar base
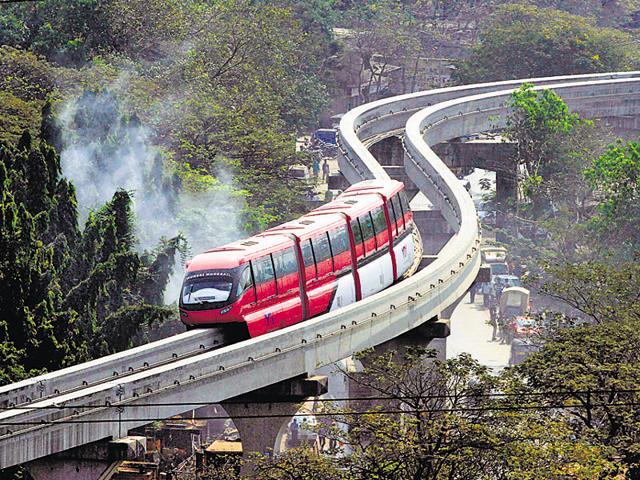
{"points": [[260, 415], [95, 461]]}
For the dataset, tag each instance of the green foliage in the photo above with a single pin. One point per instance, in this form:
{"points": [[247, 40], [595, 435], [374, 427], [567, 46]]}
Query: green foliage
{"points": [[16, 116], [615, 176], [67, 295], [446, 420], [65, 31], [546, 136], [601, 291], [521, 41], [596, 367]]}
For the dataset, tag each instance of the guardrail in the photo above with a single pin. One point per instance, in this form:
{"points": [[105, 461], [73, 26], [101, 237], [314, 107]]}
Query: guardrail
{"points": [[110, 408]]}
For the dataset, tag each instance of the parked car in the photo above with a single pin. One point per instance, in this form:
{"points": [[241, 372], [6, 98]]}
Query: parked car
{"points": [[502, 282]]}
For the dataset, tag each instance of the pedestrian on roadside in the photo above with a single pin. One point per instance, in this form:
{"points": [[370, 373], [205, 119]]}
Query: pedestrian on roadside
{"points": [[328, 196], [315, 166], [332, 437], [294, 432], [472, 292], [494, 321], [502, 330], [325, 170]]}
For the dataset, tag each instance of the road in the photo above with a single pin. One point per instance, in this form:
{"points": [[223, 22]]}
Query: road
{"points": [[471, 333]]}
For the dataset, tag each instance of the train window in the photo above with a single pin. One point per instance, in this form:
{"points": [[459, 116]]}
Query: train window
{"points": [[357, 233], [367, 226], [339, 240], [321, 248], [285, 262], [246, 280], [286, 269], [309, 261], [379, 221], [392, 217], [398, 208], [263, 270]]}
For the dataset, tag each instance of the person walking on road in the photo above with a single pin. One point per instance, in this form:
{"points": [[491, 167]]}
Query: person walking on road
{"points": [[325, 170], [472, 292], [494, 321], [315, 167]]}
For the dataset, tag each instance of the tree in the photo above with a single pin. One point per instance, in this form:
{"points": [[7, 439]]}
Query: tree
{"points": [[444, 420], [615, 176], [521, 41], [66, 32], [244, 78], [68, 295], [600, 292], [592, 371], [384, 40]]}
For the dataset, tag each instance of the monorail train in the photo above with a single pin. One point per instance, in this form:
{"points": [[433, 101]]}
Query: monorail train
{"points": [[337, 254]]}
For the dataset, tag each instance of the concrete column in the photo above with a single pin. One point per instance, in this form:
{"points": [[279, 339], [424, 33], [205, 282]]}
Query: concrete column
{"points": [[94, 461], [260, 415], [506, 198], [388, 151]]}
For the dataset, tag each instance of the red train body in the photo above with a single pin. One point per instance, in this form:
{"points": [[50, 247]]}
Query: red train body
{"points": [[346, 250]]}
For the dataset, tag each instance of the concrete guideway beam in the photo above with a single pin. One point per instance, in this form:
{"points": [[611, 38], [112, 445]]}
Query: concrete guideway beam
{"points": [[122, 363]]}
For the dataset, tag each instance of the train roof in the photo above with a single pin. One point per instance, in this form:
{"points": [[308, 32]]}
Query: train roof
{"points": [[308, 225], [241, 251], [354, 201], [353, 206], [385, 187]]}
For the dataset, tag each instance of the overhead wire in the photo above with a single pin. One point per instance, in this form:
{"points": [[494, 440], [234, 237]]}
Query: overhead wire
{"points": [[324, 414], [26, 406]]}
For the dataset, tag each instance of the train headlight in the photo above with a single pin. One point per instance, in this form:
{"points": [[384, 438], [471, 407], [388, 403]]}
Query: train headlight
{"points": [[225, 310]]}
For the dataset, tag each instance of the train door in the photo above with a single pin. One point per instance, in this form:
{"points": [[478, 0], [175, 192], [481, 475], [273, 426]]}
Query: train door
{"points": [[320, 290], [246, 289], [368, 236], [289, 299], [345, 293], [267, 315], [380, 227]]}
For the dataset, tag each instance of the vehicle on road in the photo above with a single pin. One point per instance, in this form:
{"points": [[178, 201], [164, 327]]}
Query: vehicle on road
{"points": [[513, 314], [348, 249], [326, 135], [501, 282], [492, 254], [521, 348]]}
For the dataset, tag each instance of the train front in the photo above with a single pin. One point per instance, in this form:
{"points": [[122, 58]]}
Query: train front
{"points": [[211, 293]]}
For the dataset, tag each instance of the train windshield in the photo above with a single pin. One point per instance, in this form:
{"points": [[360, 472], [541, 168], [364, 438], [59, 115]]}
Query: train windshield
{"points": [[208, 289]]}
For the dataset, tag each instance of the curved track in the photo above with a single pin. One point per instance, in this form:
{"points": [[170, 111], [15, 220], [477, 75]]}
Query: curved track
{"points": [[168, 377]]}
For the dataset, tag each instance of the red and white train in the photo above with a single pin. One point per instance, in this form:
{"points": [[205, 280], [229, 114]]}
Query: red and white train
{"points": [[346, 250]]}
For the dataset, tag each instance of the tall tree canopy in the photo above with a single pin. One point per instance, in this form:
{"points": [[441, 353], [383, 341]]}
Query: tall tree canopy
{"points": [[67, 294], [520, 41]]}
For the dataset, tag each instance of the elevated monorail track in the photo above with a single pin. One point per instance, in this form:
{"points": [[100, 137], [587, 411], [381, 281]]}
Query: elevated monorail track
{"points": [[106, 397]]}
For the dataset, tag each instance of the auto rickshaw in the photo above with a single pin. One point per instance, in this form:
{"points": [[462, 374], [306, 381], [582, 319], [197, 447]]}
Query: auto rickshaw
{"points": [[513, 313]]}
